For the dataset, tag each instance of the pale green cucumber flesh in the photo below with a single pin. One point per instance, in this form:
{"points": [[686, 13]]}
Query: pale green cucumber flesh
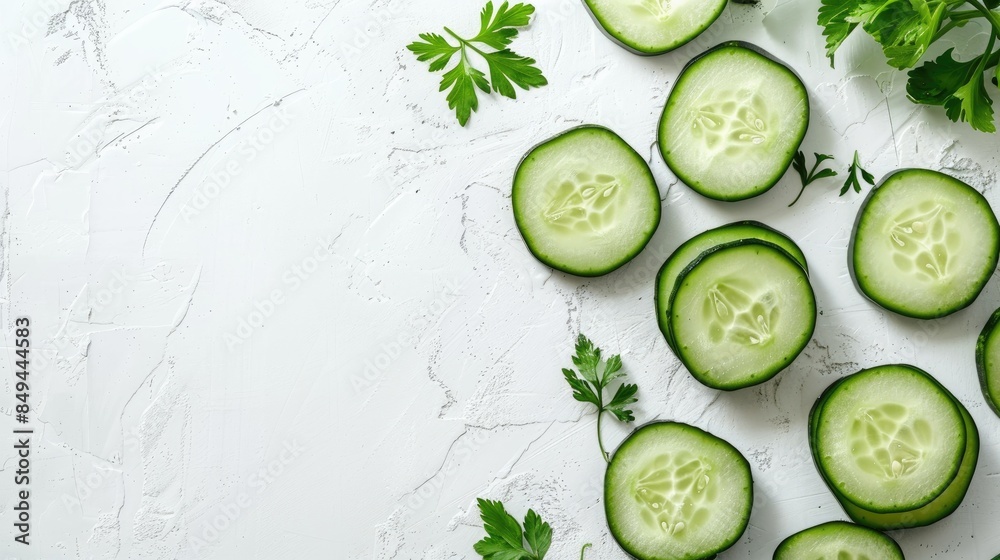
{"points": [[838, 540], [733, 122], [652, 27], [675, 492], [585, 202], [694, 247], [741, 313], [890, 439], [925, 244], [942, 506]]}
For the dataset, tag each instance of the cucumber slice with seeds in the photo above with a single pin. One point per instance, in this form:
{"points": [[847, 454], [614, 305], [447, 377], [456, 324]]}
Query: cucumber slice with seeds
{"points": [[838, 540], [741, 313], [988, 361], [733, 122], [675, 492], [889, 439], [940, 508], [924, 245], [694, 247], [650, 27], [585, 202]]}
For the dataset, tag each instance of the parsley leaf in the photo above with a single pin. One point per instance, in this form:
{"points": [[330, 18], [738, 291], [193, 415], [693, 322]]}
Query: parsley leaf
{"points": [[504, 539], [833, 18], [809, 175], [933, 83], [852, 176], [595, 375], [971, 102], [906, 29], [498, 28]]}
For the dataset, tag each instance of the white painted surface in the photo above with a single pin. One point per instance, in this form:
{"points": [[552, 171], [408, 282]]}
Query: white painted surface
{"points": [[376, 236]]}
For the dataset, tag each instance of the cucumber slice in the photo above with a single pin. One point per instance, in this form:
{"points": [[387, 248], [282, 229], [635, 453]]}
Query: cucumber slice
{"points": [[942, 506], [733, 122], [585, 201], [924, 244], [889, 439], [650, 27], [838, 540], [741, 313], [675, 492], [988, 361], [694, 247]]}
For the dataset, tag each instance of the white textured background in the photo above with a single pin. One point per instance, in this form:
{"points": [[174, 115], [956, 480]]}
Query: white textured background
{"points": [[281, 310]]}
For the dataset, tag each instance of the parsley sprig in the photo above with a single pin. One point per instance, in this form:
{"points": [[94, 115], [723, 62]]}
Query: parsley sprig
{"points": [[504, 538], [595, 376], [852, 176], [906, 29], [809, 175], [497, 30]]}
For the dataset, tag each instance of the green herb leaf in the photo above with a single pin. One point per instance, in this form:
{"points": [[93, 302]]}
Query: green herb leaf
{"points": [[506, 67], [581, 389], [498, 28], [587, 359], [906, 29], [835, 18], [853, 181], [594, 378], [971, 103], [934, 83], [504, 539], [807, 176], [624, 396], [538, 534]]}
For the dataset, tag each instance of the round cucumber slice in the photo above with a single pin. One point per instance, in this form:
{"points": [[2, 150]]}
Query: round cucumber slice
{"points": [[650, 27], [924, 245], [988, 361], [694, 247], [940, 508], [889, 439], [585, 202], [675, 492], [733, 122], [838, 540], [741, 313]]}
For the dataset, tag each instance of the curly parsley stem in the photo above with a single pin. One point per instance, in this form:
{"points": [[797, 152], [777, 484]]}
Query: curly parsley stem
{"points": [[584, 550]]}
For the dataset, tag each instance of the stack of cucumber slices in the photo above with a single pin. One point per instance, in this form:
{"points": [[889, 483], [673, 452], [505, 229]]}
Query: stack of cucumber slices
{"points": [[735, 304], [673, 491], [838, 540], [895, 447], [988, 361], [925, 244]]}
